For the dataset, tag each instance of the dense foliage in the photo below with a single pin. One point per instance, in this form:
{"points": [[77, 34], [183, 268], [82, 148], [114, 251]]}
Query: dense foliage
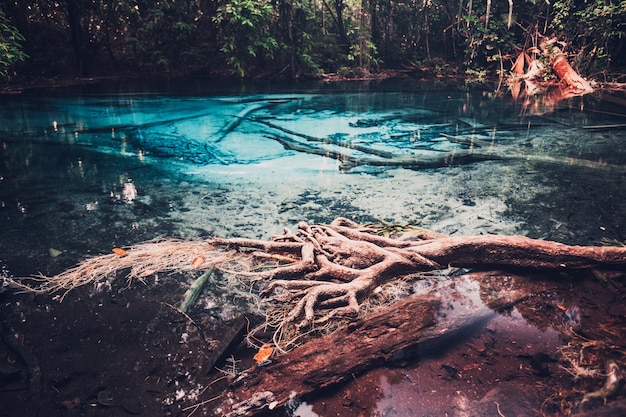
{"points": [[10, 46], [300, 38]]}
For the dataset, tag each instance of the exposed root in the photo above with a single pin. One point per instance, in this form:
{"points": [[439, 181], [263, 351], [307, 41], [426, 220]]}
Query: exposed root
{"points": [[612, 384], [305, 280], [141, 261]]}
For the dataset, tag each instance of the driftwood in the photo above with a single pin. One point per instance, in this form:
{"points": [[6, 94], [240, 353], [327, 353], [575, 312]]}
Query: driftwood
{"points": [[330, 269], [563, 70]]}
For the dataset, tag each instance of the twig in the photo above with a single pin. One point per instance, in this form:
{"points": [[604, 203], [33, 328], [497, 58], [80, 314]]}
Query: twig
{"points": [[498, 408]]}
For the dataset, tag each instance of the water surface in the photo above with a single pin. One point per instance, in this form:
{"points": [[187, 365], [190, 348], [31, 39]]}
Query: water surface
{"points": [[82, 172]]}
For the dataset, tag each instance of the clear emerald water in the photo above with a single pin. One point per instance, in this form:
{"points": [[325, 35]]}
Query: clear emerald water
{"points": [[84, 171]]}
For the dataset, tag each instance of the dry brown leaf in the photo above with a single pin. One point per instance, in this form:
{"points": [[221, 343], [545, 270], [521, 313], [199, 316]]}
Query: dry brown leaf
{"points": [[120, 251], [264, 353], [518, 65], [197, 261], [516, 88]]}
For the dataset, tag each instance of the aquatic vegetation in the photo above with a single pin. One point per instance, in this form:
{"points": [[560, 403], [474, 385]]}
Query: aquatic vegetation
{"points": [[192, 294]]}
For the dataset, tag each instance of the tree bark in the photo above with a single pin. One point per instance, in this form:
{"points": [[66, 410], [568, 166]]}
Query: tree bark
{"points": [[78, 38]]}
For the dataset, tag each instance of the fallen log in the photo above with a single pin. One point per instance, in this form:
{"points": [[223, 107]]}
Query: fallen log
{"points": [[563, 70], [342, 263], [397, 332]]}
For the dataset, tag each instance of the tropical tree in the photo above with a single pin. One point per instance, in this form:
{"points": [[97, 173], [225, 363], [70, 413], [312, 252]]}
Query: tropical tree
{"points": [[297, 35], [11, 50], [245, 37], [158, 36], [596, 27]]}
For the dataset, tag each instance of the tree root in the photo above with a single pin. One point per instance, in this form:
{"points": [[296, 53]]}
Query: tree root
{"points": [[342, 263], [327, 271]]}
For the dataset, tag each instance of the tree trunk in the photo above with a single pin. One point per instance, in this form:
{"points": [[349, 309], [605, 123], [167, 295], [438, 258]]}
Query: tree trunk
{"points": [[563, 69], [337, 16], [337, 357], [374, 29], [77, 36]]}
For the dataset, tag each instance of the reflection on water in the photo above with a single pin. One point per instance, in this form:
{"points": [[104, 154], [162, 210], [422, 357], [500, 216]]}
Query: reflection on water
{"points": [[494, 350], [490, 370]]}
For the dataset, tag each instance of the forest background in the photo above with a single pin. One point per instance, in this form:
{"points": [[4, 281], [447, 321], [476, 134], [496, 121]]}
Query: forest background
{"points": [[273, 39]]}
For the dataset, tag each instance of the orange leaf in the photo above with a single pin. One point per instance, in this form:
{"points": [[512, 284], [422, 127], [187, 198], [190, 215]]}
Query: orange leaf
{"points": [[560, 307], [264, 353], [518, 65], [197, 261], [120, 251]]}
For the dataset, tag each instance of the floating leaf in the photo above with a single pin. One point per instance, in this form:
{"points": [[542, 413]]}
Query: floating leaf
{"points": [[197, 261], [120, 251], [264, 353]]}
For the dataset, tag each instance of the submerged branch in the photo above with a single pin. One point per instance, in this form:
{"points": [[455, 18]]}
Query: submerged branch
{"points": [[327, 141], [243, 115], [438, 159]]}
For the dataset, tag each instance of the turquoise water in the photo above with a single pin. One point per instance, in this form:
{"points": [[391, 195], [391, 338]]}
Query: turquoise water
{"points": [[86, 170], [81, 172]]}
